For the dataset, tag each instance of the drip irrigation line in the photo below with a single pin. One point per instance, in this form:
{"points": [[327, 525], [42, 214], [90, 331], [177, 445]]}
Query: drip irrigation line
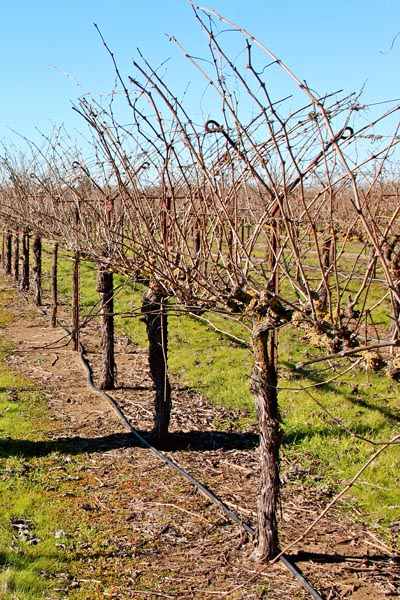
{"points": [[163, 457], [157, 452], [205, 491]]}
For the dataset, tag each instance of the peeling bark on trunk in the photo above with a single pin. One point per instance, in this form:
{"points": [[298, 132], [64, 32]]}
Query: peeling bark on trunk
{"points": [[54, 285], [156, 322], [105, 288], [263, 387], [25, 283], [37, 269]]}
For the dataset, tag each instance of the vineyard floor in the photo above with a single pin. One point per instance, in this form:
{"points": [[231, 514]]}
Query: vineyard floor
{"points": [[160, 538]]}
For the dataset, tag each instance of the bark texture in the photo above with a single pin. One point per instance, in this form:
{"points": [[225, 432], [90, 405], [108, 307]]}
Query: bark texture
{"points": [[105, 288], [156, 323], [263, 387], [326, 262], [3, 248], [16, 257], [37, 269], [25, 283], [8, 257], [75, 303], [54, 285]]}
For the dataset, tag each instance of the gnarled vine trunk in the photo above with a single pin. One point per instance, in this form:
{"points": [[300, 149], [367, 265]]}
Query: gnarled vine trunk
{"points": [[156, 323], [264, 389], [105, 288]]}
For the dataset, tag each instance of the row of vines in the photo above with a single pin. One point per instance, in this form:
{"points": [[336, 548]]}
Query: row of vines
{"points": [[276, 212]]}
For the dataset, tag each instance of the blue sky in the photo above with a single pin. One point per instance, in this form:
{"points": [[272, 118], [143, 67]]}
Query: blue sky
{"points": [[332, 45]]}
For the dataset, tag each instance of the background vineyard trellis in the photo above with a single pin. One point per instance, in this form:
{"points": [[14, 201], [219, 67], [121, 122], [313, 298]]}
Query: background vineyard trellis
{"points": [[281, 217]]}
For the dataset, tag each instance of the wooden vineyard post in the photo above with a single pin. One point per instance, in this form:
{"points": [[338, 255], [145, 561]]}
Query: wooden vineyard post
{"points": [[54, 285], [8, 252], [25, 261], [105, 288], [37, 269], [75, 303], [326, 264], [3, 246], [156, 323], [16, 257]]}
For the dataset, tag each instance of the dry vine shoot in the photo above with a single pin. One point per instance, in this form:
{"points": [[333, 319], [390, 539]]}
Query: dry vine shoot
{"points": [[279, 212]]}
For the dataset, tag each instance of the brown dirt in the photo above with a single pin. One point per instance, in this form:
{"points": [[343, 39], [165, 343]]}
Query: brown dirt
{"points": [[164, 539]]}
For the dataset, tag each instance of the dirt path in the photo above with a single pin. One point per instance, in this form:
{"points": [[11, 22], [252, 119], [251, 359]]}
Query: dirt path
{"points": [[163, 538]]}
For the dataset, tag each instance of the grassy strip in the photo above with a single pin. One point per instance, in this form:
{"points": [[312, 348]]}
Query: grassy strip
{"points": [[322, 426], [48, 533], [23, 522]]}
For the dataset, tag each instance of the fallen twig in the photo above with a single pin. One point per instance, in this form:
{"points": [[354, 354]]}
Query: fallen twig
{"points": [[337, 498]]}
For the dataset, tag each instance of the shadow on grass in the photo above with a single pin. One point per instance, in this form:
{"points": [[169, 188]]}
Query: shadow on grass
{"points": [[193, 440], [346, 397], [386, 412], [296, 435]]}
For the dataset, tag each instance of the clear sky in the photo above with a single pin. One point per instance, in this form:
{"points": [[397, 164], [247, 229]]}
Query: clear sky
{"points": [[336, 44]]}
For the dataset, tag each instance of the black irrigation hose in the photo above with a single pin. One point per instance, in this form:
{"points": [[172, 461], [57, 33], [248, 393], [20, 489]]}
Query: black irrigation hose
{"points": [[290, 566]]}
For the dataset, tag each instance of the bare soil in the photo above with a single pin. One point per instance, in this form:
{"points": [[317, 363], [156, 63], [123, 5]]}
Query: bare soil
{"points": [[162, 537]]}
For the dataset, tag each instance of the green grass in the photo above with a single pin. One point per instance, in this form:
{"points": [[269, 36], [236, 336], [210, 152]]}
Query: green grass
{"points": [[342, 424], [36, 476], [320, 426], [21, 410]]}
